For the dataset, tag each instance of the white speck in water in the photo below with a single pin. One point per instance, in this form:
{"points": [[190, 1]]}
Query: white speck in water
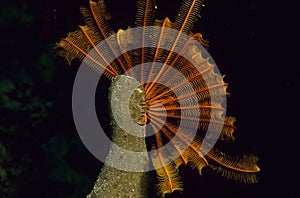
{"points": [[54, 11]]}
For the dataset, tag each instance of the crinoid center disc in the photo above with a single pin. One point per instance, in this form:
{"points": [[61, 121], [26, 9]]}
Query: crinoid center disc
{"points": [[137, 106]]}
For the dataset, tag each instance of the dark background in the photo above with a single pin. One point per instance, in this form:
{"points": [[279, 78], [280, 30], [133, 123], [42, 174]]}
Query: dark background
{"points": [[254, 42]]}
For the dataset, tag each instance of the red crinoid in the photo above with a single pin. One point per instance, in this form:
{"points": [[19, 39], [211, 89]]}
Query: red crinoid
{"points": [[190, 97]]}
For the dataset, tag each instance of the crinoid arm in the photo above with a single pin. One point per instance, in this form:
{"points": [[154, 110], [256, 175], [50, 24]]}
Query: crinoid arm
{"points": [[241, 169], [80, 43]]}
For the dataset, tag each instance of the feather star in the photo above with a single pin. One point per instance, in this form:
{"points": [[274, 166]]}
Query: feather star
{"points": [[160, 100]]}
